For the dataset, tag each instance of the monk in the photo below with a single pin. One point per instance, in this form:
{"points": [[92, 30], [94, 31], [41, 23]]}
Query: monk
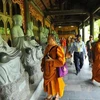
{"points": [[96, 63], [53, 85]]}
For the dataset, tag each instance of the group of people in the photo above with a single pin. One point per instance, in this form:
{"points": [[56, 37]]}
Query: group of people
{"points": [[93, 50], [53, 85]]}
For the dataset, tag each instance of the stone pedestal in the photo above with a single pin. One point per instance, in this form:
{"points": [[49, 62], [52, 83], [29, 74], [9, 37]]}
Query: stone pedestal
{"points": [[18, 90]]}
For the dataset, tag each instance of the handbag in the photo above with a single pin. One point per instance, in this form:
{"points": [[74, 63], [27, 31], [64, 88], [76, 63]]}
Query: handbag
{"points": [[62, 71]]}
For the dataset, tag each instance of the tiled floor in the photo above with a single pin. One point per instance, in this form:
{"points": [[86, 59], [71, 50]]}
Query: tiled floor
{"points": [[79, 87]]}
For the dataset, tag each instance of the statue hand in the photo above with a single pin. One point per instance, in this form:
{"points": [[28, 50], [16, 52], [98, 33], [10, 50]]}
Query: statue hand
{"points": [[27, 38], [32, 38]]}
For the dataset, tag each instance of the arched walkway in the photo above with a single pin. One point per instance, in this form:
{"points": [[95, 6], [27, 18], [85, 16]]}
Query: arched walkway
{"points": [[79, 87]]}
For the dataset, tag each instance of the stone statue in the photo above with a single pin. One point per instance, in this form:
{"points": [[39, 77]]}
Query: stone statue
{"points": [[30, 29], [11, 70], [14, 81], [30, 34], [10, 65], [43, 36], [27, 44], [19, 40], [56, 35], [11, 51]]}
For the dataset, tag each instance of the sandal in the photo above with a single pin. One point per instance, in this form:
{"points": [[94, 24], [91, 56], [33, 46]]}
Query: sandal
{"points": [[56, 98], [49, 98]]}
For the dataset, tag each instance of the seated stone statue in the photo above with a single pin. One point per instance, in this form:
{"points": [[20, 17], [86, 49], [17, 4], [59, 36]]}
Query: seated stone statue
{"points": [[30, 34], [56, 35], [19, 40], [10, 64], [11, 70], [27, 44], [43, 35], [11, 51]]}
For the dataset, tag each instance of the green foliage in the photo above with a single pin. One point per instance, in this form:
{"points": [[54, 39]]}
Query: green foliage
{"points": [[96, 29]]}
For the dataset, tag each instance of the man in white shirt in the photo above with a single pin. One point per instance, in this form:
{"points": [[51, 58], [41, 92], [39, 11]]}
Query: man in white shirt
{"points": [[79, 50]]}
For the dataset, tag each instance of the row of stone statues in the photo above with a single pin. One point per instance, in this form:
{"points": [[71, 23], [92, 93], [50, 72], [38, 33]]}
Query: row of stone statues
{"points": [[25, 55], [32, 51]]}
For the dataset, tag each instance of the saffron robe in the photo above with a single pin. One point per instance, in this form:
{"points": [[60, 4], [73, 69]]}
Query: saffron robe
{"points": [[96, 63], [53, 84]]}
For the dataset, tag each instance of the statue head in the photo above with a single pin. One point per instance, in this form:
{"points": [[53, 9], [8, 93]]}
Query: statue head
{"points": [[46, 30], [42, 29], [30, 25], [17, 20]]}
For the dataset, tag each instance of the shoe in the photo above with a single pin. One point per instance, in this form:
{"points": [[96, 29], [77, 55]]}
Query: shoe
{"points": [[76, 73], [56, 98]]}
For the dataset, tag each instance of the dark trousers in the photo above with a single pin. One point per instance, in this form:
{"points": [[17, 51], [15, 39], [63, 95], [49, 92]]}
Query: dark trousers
{"points": [[90, 56], [78, 60]]}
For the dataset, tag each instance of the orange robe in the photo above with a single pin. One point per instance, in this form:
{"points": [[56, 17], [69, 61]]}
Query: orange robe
{"points": [[96, 63], [53, 84]]}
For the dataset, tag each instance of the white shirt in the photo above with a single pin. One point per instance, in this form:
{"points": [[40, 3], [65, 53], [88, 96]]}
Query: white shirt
{"points": [[78, 47]]}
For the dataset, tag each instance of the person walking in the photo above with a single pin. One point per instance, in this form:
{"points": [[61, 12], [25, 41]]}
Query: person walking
{"points": [[63, 43], [53, 86], [96, 63], [79, 50], [89, 49]]}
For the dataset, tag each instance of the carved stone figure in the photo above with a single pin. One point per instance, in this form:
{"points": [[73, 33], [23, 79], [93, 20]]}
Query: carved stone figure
{"points": [[11, 70], [10, 65], [27, 44], [30, 34], [43, 35], [11, 51], [46, 32], [56, 35], [19, 40]]}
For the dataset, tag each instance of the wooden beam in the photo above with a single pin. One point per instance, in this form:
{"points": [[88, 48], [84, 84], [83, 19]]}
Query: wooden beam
{"points": [[96, 10], [66, 24], [44, 5], [66, 20], [66, 12]]}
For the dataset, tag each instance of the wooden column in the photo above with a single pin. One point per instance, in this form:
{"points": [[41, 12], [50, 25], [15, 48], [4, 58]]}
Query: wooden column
{"points": [[27, 14], [83, 33], [91, 25], [78, 30]]}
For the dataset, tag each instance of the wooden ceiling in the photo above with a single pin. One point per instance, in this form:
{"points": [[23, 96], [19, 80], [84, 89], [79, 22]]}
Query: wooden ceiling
{"points": [[69, 12]]}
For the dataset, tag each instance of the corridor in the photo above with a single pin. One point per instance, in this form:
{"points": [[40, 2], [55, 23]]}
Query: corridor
{"points": [[79, 87]]}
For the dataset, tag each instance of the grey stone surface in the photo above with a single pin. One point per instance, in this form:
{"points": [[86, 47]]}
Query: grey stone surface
{"points": [[18, 90], [37, 91], [79, 87], [11, 71]]}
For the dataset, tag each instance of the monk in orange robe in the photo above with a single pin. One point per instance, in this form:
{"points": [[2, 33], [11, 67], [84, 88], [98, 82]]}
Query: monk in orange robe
{"points": [[96, 63], [53, 85]]}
